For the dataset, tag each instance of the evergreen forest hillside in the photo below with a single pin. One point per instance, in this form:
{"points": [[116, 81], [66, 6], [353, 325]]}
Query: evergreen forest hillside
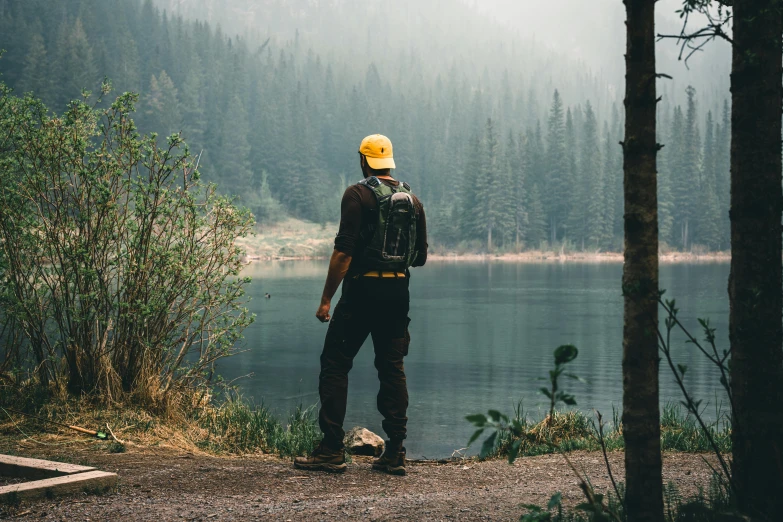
{"points": [[509, 144]]}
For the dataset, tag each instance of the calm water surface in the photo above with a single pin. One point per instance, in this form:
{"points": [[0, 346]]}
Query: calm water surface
{"points": [[482, 336]]}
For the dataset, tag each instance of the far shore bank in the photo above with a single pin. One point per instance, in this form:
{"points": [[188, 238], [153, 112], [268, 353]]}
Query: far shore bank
{"points": [[532, 257], [580, 257], [297, 240]]}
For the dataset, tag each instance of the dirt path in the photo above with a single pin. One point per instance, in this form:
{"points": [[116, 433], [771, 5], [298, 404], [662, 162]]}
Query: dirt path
{"points": [[163, 484]]}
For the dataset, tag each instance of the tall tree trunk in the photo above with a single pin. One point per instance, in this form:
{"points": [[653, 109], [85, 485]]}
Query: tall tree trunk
{"points": [[641, 416], [489, 240], [682, 235], [755, 281]]}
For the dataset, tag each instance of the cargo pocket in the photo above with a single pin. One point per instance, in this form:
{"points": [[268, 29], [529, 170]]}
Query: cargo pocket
{"points": [[406, 340], [335, 334]]}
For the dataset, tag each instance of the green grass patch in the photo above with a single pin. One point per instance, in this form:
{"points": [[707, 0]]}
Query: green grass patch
{"points": [[575, 430], [116, 447], [710, 505], [239, 427]]}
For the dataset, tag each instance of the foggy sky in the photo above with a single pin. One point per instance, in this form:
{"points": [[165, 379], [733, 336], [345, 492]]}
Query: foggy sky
{"points": [[583, 34], [593, 31]]}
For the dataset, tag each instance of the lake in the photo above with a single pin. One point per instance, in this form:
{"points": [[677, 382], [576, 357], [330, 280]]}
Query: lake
{"points": [[482, 336]]}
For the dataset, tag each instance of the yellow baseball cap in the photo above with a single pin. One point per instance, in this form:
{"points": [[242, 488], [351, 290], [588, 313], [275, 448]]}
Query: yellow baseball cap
{"points": [[378, 151]]}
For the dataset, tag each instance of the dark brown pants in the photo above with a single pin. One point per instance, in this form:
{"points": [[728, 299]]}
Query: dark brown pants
{"points": [[376, 307]]}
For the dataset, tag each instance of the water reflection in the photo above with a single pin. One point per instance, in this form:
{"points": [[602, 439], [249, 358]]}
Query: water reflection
{"points": [[482, 336]]}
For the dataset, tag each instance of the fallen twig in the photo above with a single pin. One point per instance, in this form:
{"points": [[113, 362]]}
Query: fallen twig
{"points": [[113, 436]]}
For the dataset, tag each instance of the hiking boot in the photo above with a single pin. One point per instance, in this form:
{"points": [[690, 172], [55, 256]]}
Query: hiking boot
{"points": [[323, 458], [392, 461]]}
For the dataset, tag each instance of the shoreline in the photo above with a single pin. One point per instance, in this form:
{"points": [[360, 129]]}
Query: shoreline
{"points": [[529, 257], [580, 257], [296, 240]]}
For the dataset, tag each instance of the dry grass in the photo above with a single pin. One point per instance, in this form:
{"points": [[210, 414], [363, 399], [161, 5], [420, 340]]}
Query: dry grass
{"points": [[233, 427]]}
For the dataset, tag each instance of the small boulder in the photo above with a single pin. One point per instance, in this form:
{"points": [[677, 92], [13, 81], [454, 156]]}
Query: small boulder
{"points": [[361, 441]]}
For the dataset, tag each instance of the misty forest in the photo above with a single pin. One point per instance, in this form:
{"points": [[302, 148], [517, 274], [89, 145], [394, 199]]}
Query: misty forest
{"points": [[409, 260], [530, 137]]}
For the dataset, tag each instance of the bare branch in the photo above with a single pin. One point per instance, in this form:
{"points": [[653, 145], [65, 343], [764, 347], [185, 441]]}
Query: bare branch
{"points": [[693, 42]]}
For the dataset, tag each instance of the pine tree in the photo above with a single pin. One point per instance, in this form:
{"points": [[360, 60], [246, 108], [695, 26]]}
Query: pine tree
{"points": [[506, 219], [442, 222], [533, 113], [303, 196], [147, 33], [537, 224], [73, 64], [595, 213], [489, 187], [517, 164], [686, 169], [692, 153], [125, 66], [570, 178], [36, 77], [708, 218], [261, 202], [536, 155], [192, 102], [231, 159], [161, 106], [555, 177], [472, 180]]}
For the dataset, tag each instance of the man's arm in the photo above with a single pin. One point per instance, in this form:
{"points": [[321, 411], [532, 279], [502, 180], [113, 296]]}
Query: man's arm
{"points": [[338, 267], [344, 243]]}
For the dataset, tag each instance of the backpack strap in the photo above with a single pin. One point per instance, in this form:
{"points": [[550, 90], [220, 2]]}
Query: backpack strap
{"points": [[372, 182]]}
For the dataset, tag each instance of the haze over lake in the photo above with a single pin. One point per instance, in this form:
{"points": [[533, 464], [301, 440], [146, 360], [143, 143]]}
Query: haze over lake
{"points": [[482, 336]]}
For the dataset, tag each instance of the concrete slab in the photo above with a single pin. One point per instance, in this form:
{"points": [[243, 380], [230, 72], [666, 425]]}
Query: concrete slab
{"points": [[34, 469], [88, 481]]}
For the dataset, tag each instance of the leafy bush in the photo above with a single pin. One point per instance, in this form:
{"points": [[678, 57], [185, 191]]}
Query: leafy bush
{"points": [[118, 267], [515, 436], [563, 355]]}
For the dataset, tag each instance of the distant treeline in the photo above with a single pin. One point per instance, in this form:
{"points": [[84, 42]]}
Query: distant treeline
{"points": [[501, 161]]}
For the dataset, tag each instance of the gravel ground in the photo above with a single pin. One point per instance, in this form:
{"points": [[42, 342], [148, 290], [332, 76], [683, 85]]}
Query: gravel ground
{"points": [[167, 484]]}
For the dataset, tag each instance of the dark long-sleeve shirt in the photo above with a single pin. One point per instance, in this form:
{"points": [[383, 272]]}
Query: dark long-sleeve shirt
{"points": [[356, 208]]}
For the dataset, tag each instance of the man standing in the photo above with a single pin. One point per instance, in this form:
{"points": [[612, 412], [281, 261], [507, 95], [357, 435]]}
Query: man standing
{"points": [[383, 232]]}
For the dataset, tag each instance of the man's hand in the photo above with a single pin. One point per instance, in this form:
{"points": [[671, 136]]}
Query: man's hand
{"points": [[323, 312], [338, 266]]}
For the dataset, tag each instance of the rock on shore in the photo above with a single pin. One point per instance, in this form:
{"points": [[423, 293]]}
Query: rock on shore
{"points": [[361, 441]]}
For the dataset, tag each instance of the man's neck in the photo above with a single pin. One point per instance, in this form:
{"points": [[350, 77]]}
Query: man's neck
{"points": [[368, 173], [387, 177]]}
